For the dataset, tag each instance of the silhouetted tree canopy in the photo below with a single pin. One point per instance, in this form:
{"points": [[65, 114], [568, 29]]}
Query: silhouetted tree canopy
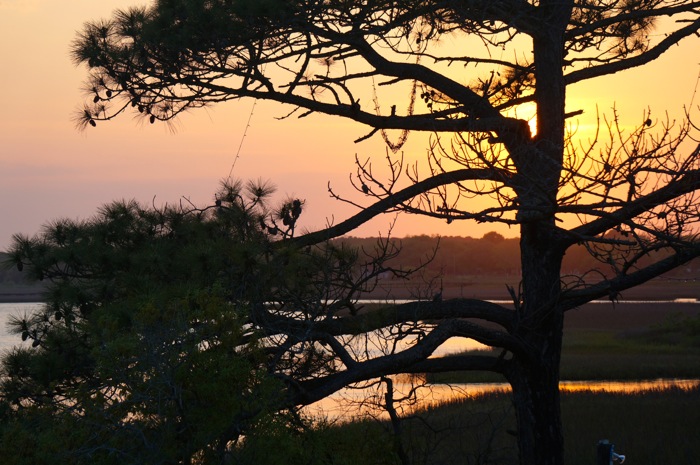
{"points": [[160, 339], [624, 196]]}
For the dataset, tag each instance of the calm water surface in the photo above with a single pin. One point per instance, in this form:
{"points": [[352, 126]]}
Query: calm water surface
{"points": [[7, 311], [352, 402]]}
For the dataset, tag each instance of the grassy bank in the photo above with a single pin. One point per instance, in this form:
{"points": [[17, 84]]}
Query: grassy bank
{"points": [[651, 428], [639, 341], [625, 342], [603, 356]]}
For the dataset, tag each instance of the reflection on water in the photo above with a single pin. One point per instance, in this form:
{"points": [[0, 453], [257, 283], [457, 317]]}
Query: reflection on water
{"points": [[350, 403], [7, 311], [353, 403]]}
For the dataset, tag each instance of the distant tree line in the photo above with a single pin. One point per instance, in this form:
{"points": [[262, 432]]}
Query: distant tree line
{"points": [[10, 275], [492, 254], [14, 284]]}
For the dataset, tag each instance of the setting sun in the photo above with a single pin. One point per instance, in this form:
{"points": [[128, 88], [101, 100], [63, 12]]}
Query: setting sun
{"points": [[50, 170]]}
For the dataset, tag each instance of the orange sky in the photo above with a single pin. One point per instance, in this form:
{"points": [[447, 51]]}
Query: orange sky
{"points": [[50, 170]]}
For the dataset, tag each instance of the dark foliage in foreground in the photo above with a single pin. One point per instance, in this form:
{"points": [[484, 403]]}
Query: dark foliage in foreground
{"points": [[626, 195], [152, 345]]}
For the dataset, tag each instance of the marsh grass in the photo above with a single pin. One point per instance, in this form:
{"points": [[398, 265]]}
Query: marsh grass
{"points": [[656, 427], [651, 427], [669, 349], [588, 363]]}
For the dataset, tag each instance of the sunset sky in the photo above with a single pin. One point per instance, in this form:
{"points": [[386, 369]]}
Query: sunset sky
{"points": [[49, 170]]}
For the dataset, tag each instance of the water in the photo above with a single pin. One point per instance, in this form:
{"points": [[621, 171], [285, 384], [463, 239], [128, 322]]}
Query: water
{"points": [[349, 403], [7, 340]]}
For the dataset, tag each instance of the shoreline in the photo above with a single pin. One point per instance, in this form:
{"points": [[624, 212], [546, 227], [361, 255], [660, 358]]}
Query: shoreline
{"points": [[20, 297], [483, 287]]}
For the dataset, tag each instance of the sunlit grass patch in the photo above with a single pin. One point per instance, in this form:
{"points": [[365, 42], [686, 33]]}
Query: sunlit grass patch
{"points": [[653, 427]]}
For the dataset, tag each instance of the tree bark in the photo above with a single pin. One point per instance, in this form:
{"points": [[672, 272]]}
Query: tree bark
{"points": [[534, 373], [536, 398]]}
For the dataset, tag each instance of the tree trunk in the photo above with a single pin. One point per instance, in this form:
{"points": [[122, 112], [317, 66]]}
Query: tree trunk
{"points": [[535, 374], [536, 397]]}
